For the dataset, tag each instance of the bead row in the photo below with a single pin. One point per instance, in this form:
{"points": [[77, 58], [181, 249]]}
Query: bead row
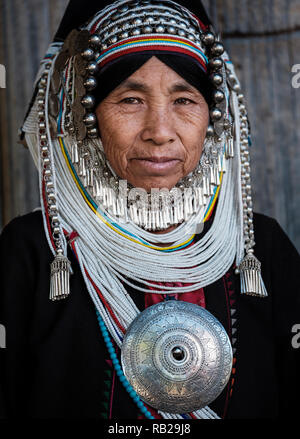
{"points": [[132, 393], [45, 157], [248, 227]]}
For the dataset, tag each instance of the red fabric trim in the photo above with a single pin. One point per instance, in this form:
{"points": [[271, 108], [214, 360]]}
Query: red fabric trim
{"points": [[148, 37], [162, 48], [197, 297]]}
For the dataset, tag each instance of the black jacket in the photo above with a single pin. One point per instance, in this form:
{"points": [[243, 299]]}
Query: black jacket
{"points": [[55, 363]]}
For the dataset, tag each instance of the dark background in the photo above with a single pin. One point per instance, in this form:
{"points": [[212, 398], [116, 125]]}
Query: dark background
{"points": [[263, 40]]}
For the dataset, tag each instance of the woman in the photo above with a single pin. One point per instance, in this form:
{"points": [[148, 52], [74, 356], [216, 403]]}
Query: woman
{"points": [[140, 132]]}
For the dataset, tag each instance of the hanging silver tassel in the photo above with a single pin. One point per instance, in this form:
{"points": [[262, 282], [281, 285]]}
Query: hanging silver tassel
{"points": [[250, 275], [60, 278]]}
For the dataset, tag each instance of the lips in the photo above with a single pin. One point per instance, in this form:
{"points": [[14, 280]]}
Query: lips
{"points": [[157, 165]]}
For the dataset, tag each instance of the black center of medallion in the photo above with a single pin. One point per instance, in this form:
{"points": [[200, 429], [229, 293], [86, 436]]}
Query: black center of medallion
{"points": [[178, 353]]}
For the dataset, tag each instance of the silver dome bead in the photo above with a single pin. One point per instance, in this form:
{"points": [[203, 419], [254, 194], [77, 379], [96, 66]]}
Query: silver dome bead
{"points": [[218, 96], [237, 88], [217, 49], [137, 22], [182, 25], [215, 114], [56, 230], [217, 79], [227, 124], [89, 119], [92, 132], [172, 21], [171, 30], [210, 131], [208, 39], [92, 67], [181, 33], [90, 83], [124, 35], [232, 78], [95, 40], [147, 29], [135, 31], [88, 54], [113, 40], [191, 37], [123, 9], [149, 20], [88, 101], [216, 63], [159, 29], [103, 47], [241, 97]]}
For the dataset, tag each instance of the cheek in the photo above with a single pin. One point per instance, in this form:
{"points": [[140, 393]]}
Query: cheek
{"points": [[116, 136], [193, 138]]}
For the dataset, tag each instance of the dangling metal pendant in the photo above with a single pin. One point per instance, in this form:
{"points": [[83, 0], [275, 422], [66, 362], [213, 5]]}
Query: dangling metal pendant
{"points": [[251, 279], [60, 277], [177, 356]]}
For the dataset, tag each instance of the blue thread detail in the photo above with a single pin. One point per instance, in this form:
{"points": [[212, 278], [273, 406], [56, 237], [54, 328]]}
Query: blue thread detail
{"points": [[132, 393]]}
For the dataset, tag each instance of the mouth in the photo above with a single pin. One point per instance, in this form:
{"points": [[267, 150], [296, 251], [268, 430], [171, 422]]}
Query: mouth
{"points": [[158, 165]]}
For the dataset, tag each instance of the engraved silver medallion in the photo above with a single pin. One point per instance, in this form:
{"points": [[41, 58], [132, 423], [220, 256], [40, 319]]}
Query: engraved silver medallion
{"points": [[177, 356]]}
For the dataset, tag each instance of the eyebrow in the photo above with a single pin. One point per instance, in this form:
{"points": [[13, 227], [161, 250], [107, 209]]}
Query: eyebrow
{"points": [[130, 84]]}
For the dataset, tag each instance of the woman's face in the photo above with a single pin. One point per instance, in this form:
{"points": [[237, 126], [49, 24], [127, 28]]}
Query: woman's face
{"points": [[153, 127]]}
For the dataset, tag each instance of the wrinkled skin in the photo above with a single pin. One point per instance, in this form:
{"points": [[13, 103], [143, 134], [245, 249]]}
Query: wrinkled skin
{"points": [[153, 126]]}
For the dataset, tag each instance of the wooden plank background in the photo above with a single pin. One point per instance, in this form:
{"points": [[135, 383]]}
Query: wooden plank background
{"points": [[263, 40]]}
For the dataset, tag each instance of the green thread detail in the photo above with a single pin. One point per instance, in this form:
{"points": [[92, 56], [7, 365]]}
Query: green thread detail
{"points": [[104, 404], [106, 394], [107, 383], [108, 373], [103, 415]]}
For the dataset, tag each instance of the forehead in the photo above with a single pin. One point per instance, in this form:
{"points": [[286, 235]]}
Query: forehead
{"points": [[153, 75]]}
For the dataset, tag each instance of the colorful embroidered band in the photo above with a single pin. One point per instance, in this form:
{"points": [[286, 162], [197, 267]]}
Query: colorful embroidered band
{"points": [[163, 43]]}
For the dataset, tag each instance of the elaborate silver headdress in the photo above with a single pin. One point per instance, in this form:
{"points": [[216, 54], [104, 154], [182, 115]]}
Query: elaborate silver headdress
{"points": [[61, 132]]}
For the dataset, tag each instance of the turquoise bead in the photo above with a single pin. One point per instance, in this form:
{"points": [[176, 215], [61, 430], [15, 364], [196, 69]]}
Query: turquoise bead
{"points": [[110, 347]]}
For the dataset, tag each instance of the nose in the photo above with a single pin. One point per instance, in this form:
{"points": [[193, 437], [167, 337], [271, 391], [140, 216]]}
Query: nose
{"points": [[158, 127]]}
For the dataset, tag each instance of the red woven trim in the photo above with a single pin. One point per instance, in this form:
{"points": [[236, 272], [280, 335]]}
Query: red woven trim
{"points": [[94, 28], [203, 26], [151, 37], [161, 48]]}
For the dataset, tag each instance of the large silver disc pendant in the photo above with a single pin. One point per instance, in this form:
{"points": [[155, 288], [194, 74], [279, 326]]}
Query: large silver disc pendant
{"points": [[177, 356]]}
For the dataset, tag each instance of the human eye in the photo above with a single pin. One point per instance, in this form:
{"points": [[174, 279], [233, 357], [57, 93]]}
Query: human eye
{"points": [[184, 101], [131, 100]]}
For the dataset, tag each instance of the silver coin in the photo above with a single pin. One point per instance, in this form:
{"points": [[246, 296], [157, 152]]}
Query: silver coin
{"points": [[177, 356]]}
